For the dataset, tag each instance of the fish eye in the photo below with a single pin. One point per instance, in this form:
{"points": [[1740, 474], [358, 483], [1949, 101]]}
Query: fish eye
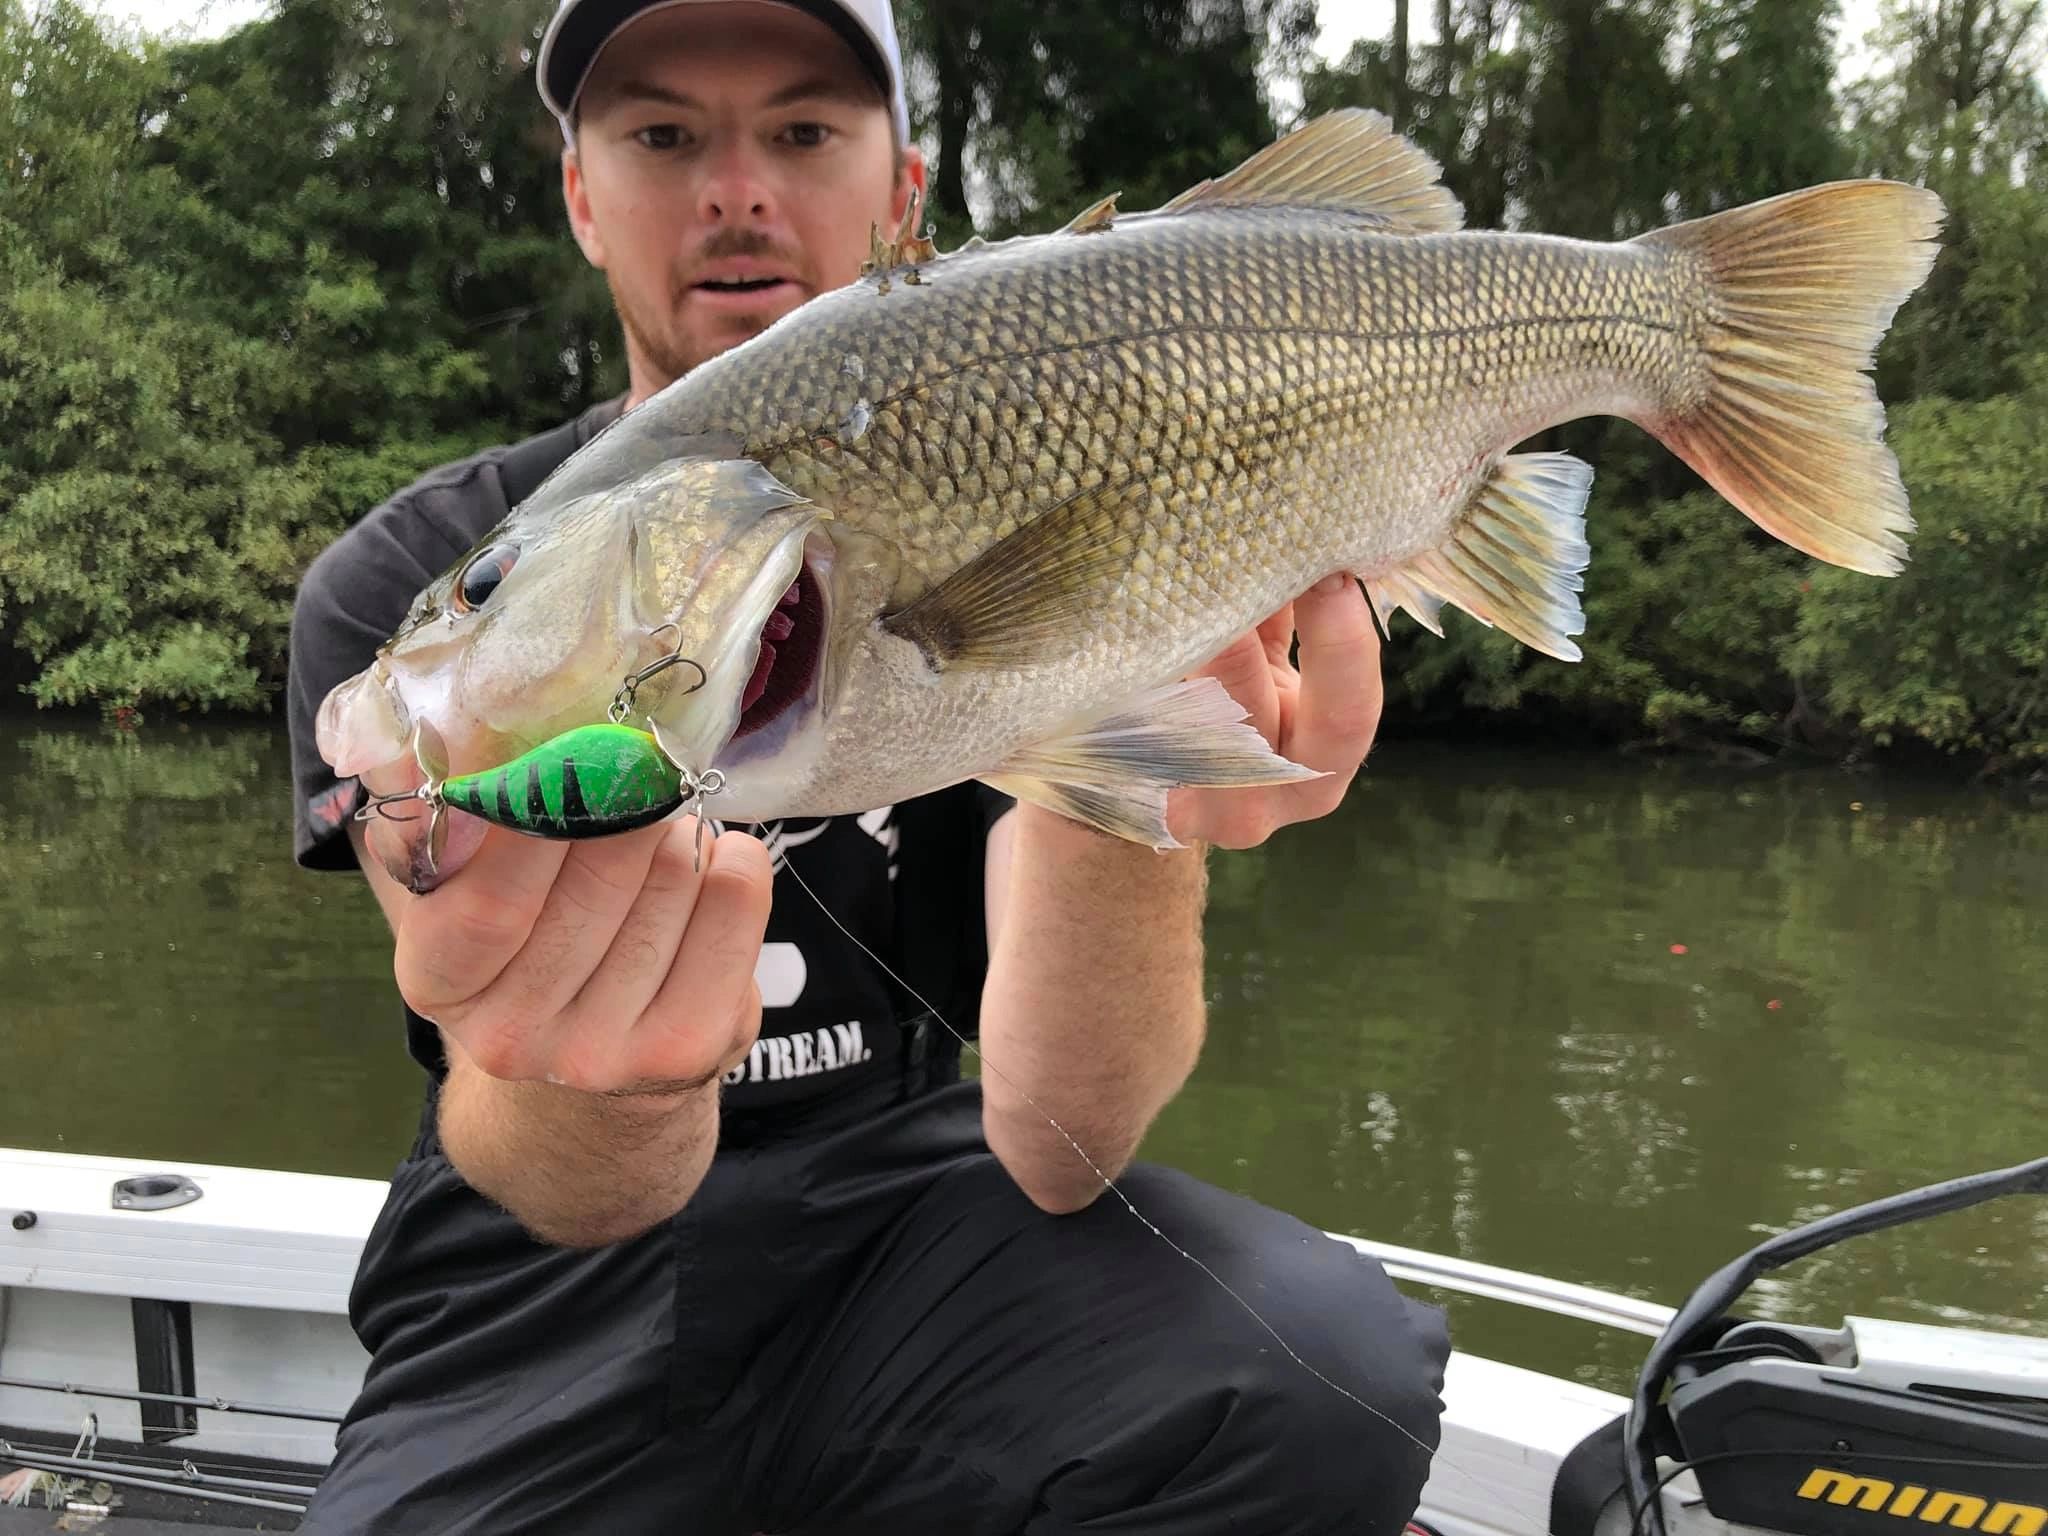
{"points": [[480, 578]]}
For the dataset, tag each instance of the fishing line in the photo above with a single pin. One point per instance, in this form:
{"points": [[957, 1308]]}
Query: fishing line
{"points": [[1434, 1452]]}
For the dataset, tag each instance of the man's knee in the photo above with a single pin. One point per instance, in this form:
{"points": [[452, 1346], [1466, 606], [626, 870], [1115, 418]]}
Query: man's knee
{"points": [[1350, 1419], [1320, 1415]]}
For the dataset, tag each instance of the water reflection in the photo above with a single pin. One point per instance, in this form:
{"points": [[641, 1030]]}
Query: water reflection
{"points": [[1615, 1021], [172, 985], [1608, 1020]]}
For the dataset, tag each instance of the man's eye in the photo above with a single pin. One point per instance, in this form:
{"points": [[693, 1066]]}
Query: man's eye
{"points": [[807, 135], [660, 136]]}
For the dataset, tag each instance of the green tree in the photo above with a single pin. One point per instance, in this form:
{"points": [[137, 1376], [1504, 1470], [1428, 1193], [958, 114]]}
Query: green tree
{"points": [[1958, 104], [1954, 651], [1757, 114], [1055, 104], [1472, 115], [247, 288], [1602, 113]]}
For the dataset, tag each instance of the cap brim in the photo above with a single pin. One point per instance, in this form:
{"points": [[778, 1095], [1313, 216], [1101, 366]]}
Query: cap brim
{"points": [[580, 32]]}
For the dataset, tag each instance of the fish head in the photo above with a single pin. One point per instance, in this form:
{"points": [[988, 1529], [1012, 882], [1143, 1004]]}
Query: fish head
{"points": [[651, 596]]}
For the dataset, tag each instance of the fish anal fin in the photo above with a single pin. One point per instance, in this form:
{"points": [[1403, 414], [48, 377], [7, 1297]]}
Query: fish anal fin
{"points": [[1030, 593], [1113, 771], [1351, 159], [1516, 559], [1398, 590]]}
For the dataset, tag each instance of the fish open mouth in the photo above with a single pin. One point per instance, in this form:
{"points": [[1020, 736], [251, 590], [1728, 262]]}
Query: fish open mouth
{"points": [[791, 642]]}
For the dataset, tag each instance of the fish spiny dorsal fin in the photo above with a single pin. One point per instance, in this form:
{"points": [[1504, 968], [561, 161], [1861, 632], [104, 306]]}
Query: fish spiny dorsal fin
{"points": [[1352, 160], [1093, 220]]}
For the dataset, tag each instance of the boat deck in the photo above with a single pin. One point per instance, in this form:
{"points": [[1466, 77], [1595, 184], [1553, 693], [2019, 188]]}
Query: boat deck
{"points": [[39, 1522], [138, 1510]]}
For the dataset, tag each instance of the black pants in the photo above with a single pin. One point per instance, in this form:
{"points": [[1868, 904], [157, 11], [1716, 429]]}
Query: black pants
{"points": [[873, 1330]]}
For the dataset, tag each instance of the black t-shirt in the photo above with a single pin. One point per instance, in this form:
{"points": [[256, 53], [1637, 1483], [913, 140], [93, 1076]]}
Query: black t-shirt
{"points": [[907, 879]]}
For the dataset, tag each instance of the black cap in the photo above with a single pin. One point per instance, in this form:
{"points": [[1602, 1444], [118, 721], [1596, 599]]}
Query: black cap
{"points": [[581, 29]]}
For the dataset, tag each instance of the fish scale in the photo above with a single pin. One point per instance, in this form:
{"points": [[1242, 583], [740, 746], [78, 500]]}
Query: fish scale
{"points": [[1046, 479], [1268, 443]]}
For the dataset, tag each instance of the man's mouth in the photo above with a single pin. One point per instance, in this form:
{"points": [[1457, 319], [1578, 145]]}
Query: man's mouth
{"points": [[740, 284], [743, 284]]}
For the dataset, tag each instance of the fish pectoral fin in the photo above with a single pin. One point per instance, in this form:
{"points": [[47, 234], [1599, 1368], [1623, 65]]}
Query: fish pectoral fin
{"points": [[1516, 560], [1352, 159], [1113, 771], [1024, 596]]}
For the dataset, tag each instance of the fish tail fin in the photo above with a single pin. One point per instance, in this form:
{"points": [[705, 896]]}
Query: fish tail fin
{"points": [[1778, 412]]}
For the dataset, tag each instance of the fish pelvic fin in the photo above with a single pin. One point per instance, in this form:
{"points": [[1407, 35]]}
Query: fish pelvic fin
{"points": [[1516, 560], [1784, 420], [1113, 771], [1350, 159]]}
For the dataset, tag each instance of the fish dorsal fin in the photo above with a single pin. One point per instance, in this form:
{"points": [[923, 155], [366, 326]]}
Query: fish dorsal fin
{"points": [[1030, 592], [1352, 160], [1095, 218], [1516, 558], [1113, 770]]}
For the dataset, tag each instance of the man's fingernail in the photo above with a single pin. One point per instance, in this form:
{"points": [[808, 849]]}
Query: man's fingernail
{"points": [[1329, 586]]}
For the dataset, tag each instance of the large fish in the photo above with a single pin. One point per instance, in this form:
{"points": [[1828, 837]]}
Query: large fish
{"points": [[976, 514]]}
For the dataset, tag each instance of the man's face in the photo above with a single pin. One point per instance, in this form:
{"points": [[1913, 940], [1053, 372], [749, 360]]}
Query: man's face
{"points": [[731, 162]]}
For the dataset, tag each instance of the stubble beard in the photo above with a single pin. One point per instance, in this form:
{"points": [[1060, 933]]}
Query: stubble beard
{"points": [[662, 339], [658, 338]]}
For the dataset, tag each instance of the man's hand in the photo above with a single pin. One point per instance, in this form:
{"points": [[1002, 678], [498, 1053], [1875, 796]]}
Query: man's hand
{"points": [[1323, 716], [609, 966], [590, 995]]}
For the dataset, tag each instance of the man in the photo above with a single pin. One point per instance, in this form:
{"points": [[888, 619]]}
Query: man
{"points": [[702, 1231]]}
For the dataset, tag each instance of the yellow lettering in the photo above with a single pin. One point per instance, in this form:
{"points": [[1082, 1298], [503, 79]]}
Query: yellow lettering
{"points": [[2020, 1519], [1844, 1488], [1908, 1500], [1961, 1509]]}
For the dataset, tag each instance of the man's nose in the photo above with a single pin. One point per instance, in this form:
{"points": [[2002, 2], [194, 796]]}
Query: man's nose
{"points": [[736, 190]]}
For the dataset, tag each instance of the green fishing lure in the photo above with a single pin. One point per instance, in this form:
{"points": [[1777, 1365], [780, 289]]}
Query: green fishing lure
{"points": [[589, 782]]}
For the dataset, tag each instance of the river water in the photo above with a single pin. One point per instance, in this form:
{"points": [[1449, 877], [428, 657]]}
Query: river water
{"points": [[1613, 1020]]}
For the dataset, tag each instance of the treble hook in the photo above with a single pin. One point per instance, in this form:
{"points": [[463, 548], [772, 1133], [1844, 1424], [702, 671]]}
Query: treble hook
{"points": [[697, 788], [624, 700], [427, 793]]}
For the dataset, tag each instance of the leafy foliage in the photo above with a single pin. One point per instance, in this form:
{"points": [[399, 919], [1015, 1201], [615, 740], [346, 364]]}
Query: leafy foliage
{"points": [[250, 286], [1057, 103], [247, 288], [1955, 651]]}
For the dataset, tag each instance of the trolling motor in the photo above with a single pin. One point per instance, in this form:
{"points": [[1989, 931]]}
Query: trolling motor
{"points": [[1871, 1429]]}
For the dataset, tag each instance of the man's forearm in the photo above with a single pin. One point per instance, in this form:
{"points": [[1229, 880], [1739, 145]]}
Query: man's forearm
{"points": [[1094, 1001], [578, 1169]]}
